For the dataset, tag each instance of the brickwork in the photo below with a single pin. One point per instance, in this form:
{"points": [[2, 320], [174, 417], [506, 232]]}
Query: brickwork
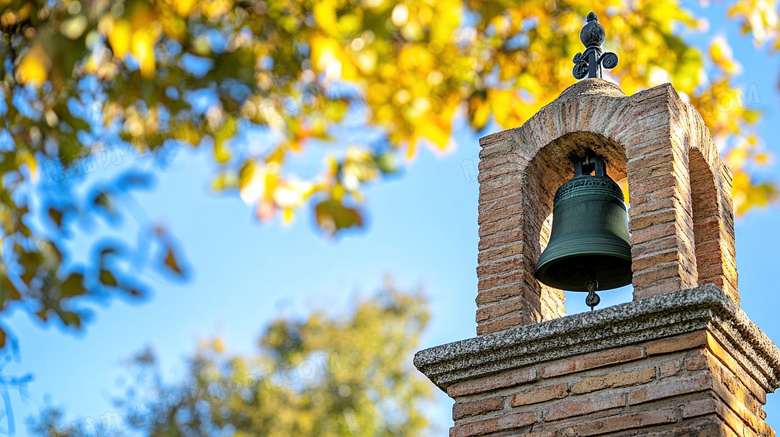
{"points": [[685, 385], [681, 219]]}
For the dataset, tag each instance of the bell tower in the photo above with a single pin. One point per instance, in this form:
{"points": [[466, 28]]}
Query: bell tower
{"points": [[680, 359]]}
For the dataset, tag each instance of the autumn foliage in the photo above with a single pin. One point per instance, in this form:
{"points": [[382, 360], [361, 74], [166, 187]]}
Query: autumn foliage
{"points": [[358, 86]]}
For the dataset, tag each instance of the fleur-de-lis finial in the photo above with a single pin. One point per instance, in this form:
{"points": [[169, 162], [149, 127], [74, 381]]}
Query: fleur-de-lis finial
{"points": [[589, 62]]}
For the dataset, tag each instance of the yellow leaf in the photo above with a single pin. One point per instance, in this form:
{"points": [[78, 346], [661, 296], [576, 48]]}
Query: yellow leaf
{"points": [[143, 50], [438, 135], [325, 16], [722, 55], [218, 345], [287, 216], [763, 158], [119, 37], [34, 67], [323, 52], [184, 7], [329, 57]]}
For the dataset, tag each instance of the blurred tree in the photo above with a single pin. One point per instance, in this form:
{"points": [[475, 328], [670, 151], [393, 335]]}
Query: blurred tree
{"points": [[328, 375], [354, 83]]}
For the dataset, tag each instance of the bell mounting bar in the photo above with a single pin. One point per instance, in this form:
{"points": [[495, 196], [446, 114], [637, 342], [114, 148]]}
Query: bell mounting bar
{"points": [[589, 164]]}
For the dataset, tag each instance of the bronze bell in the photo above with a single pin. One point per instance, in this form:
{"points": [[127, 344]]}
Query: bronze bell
{"points": [[589, 244]]}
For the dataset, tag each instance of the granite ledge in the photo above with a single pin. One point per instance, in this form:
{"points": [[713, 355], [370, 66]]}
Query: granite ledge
{"points": [[655, 317]]}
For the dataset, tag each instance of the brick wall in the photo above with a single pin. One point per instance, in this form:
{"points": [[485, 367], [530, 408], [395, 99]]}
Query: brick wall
{"points": [[681, 219], [681, 359], [682, 385]]}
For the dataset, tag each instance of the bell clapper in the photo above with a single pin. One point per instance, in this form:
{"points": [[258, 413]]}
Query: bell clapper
{"points": [[593, 299]]}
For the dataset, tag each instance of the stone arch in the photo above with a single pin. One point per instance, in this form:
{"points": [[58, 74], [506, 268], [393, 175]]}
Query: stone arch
{"points": [[645, 137]]}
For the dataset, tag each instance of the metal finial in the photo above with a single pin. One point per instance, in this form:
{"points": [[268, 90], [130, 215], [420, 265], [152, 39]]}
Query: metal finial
{"points": [[590, 61]]}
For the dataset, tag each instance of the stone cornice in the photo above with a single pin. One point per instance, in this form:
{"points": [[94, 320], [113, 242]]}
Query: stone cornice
{"points": [[655, 317]]}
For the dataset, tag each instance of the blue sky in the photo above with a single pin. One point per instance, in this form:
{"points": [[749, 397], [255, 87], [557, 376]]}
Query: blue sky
{"points": [[422, 229]]}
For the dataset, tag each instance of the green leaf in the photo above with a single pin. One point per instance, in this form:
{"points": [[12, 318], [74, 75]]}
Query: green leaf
{"points": [[333, 217], [73, 285], [245, 175], [102, 201], [108, 278], [56, 215], [386, 163], [70, 318]]}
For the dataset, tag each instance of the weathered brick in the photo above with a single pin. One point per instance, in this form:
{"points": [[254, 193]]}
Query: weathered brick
{"points": [[727, 414], [654, 184], [612, 380], [591, 361], [645, 207], [501, 252], [487, 193], [500, 280], [646, 262], [507, 323], [510, 179], [657, 273], [504, 224], [486, 426], [699, 408], [669, 369], [679, 343], [665, 244], [488, 172], [627, 421], [494, 214], [584, 406], [741, 403], [670, 388], [502, 308], [698, 362], [507, 265], [642, 291], [651, 219], [706, 426], [500, 239], [653, 233], [486, 207], [473, 408], [494, 140], [549, 433], [540, 394], [509, 160], [725, 357], [494, 382], [498, 294]]}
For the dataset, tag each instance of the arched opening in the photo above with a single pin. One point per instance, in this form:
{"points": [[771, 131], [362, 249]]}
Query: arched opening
{"points": [[544, 175], [714, 248]]}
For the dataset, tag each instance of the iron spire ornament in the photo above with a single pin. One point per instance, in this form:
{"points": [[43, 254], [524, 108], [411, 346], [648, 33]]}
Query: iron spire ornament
{"points": [[590, 61]]}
